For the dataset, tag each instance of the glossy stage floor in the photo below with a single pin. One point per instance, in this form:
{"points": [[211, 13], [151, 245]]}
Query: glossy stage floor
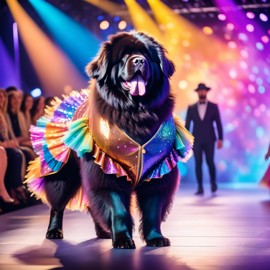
{"points": [[230, 230]]}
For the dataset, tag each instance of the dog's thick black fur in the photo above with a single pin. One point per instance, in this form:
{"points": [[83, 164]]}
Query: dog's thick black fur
{"points": [[137, 111]]}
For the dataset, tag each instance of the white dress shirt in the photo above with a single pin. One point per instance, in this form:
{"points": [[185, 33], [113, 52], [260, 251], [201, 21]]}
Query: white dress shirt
{"points": [[202, 109]]}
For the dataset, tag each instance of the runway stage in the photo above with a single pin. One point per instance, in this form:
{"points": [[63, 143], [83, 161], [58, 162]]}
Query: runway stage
{"points": [[230, 230]]}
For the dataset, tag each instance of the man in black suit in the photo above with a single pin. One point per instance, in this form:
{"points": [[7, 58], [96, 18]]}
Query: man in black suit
{"points": [[203, 114]]}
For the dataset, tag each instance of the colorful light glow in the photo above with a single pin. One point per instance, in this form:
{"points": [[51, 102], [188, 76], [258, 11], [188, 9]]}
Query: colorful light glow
{"points": [[251, 88], [87, 44], [104, 25], [182, 85], [47, 59], [186, 39], [242, 36], [233, 74], [36, 92], [16, 52], [208, 30], [8, 77], [250, 15], [243, 65], [244, 53], [263, 17], [261, 89], [259, 46], [246, 98], [232, 45], [230, 26], [222, 17], [265, 39], [142, 21], [122, 25], [250, 28]]}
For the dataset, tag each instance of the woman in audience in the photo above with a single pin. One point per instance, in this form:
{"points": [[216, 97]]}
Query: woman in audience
{"points": [[26, 106], [15, 169], [3, 168], [18, 125], [38, 109]]}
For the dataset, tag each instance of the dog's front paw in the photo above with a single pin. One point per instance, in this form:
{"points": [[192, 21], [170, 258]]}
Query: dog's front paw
{"points": [[124, 243], [158, 242], [54, 234]]}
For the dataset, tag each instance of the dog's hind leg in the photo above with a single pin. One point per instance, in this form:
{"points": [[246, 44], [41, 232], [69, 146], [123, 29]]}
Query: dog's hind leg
{"points": [[60, 188], [154, 200]]}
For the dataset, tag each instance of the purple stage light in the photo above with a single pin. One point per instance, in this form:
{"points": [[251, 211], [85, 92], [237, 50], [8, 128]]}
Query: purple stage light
{"points": [[16, 53]]}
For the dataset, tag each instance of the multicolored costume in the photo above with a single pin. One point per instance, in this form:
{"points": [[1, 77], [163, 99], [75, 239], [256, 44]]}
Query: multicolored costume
{"points": [[75, 124]]}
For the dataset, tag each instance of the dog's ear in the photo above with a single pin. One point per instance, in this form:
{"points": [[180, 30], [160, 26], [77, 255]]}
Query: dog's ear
{"points": [[98, 67], [167, 65]]}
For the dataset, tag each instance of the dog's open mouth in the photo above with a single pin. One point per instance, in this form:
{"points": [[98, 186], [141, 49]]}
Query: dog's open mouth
{"points": [[136, 85]]}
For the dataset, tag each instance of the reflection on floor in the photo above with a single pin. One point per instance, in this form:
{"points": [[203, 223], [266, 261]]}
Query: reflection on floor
{"points": [[229, 230]]}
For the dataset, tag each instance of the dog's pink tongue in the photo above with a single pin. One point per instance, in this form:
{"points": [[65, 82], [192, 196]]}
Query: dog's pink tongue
{"points": [[137, 85]]}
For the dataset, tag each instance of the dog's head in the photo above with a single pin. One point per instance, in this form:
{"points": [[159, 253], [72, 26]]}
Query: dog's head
{"points": [[130, 68]]}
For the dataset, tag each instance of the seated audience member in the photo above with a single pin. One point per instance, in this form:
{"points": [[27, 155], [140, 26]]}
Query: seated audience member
{"points": [[15, 169], [49, 101], [26, 106], [18, 125], [3, 168], [11, 88], [38, 109]]}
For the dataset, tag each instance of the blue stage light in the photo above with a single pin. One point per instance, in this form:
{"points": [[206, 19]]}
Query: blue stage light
{"points": [[80, 45], [36, 92]]}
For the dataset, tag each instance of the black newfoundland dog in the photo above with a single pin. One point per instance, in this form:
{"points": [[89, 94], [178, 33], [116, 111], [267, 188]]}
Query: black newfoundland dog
{"points": [[120, 141]]}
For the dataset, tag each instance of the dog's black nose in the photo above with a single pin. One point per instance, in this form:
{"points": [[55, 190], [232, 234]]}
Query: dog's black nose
{"points": [[138, 61]]}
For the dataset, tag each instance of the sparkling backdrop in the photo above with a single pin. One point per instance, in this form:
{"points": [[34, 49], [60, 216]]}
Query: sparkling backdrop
{"points": [[241, 87]]}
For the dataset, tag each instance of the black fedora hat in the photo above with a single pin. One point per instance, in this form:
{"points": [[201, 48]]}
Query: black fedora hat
{"points": [[202, 86]]}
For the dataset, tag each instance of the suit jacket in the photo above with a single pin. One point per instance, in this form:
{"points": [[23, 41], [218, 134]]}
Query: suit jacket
{"points": [[204, 130]]}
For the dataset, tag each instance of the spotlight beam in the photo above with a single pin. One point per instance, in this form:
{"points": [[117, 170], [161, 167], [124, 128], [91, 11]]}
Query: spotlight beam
{"points": [[7, 68], [54, 70], [80, 51], [142, 20]]}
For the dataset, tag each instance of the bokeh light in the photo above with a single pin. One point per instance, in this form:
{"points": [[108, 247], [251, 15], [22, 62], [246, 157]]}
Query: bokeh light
{"points": [[104, 25], [122, 25], [208, 30], [250, 15], [263, 17]]}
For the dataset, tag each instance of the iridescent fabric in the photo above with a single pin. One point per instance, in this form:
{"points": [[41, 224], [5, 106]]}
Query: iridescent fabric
{"points": [[164, 166], [67, 126], [134, 158], [117, 153], [50, 129], [47, 140]]}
